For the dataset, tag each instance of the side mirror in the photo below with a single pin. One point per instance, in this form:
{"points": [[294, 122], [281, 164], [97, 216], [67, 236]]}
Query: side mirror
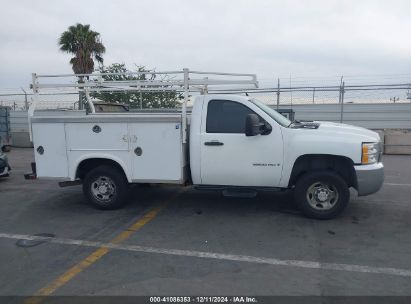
{"points": [[252, 125]]}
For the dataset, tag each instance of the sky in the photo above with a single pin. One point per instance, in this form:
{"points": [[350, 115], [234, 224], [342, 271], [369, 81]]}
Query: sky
{"points": [[304, 39]]}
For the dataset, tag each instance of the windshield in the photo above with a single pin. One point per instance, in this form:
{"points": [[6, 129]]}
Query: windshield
{"points": [[272, 113]]}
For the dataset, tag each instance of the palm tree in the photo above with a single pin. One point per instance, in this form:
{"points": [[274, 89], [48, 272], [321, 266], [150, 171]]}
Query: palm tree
{"points": [[85, 45]]}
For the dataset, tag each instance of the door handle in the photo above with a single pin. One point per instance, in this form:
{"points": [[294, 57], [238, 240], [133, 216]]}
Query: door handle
{"points": [[213, 143]]}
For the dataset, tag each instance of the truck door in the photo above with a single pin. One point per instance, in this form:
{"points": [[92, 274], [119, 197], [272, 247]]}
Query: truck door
{"points": [[229, 157]]}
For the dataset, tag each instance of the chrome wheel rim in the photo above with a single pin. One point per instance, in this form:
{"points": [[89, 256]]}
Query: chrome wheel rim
{"points": [[103, 189], [322, 196]]}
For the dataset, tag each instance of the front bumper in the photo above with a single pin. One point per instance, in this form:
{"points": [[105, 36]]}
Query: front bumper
{"points": [[369, 178], [4, 171]]}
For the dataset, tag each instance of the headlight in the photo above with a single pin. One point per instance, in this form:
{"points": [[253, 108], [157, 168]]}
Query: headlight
{"points": [[370, 153]]}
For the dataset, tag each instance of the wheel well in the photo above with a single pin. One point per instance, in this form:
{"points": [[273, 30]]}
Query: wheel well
{"points": [[88, 164], [342, 165]]}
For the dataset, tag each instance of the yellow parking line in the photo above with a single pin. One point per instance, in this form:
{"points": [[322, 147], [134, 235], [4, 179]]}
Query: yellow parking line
{"points": [[95, 256]]}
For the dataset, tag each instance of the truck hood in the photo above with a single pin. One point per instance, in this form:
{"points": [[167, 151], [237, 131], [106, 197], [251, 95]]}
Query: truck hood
{"points": [[344, 129]]}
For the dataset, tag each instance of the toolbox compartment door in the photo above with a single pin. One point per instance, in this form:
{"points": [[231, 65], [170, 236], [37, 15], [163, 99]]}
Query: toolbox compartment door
{"points": [[50, 150]]}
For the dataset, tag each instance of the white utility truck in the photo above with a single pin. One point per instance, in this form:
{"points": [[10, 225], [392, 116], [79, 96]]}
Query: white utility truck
{"points": [[231, 143]]}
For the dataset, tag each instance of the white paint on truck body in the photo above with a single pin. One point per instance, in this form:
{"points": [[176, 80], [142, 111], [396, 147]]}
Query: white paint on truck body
{"points": [[254, 161], [67, 141]]}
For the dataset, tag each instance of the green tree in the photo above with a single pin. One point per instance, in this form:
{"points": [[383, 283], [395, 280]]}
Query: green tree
{"points": [[86, 46], [137, 99]]}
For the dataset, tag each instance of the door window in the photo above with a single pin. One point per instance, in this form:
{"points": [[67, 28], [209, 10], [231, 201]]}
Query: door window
{"points": [[224, 116]]}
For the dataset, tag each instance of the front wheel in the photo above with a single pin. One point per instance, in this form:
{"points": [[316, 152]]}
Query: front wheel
{"points": [[105, 187], [6, 148], [321, 194]]}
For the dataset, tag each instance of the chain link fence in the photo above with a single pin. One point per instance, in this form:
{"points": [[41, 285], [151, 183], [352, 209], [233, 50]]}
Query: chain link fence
{"points": [[20, 101], [360, 94]]}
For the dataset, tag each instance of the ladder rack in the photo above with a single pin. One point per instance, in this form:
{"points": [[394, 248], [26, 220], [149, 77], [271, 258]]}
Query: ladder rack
{"points": [[185, 81]]}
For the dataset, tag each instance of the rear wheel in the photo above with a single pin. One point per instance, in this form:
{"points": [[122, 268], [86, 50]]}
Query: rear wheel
{"points": [[105, 187], [321, 194]]}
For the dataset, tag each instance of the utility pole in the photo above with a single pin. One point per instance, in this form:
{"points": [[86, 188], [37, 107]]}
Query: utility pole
{"points": [[313, 95], [26, 104], [342, 91], [278, 94], [291, 94], [141, 99]]}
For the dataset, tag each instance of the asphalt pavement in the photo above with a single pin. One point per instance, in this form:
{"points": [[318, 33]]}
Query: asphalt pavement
{"points": [[170, 240]]}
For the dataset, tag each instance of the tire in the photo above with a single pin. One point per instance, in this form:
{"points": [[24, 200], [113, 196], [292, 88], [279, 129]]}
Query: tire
{"points": [[105, 187], [6, 148], [321, 194]]}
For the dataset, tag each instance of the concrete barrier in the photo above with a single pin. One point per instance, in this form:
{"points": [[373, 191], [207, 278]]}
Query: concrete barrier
{"points": [[397, 142], [21, 140], [371, 116], [20, 129]]}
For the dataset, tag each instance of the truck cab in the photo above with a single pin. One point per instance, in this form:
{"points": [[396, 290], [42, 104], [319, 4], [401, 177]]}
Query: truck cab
{"points": [[220, 151]]}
